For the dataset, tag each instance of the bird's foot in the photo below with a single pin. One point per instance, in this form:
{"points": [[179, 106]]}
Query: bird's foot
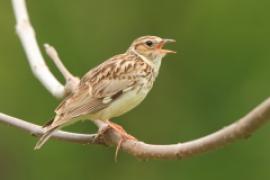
{"points": [[121, 131], [124, 136], [100, 135]]}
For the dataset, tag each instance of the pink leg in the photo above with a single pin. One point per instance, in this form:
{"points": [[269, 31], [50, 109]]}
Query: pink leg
{"points": [[121, 131], [124, 136]]}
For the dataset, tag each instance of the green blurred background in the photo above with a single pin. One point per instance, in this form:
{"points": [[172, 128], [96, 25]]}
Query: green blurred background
{"points": [[221, 71]]}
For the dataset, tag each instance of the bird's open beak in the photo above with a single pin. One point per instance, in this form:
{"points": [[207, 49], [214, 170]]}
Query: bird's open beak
{"points": [[163, 43]]}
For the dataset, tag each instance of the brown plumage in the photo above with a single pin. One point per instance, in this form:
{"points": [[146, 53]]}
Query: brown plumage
{"points": [[112, 88]]}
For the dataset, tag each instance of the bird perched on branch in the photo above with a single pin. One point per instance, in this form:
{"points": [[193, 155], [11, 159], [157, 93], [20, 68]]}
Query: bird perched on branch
{"points": [[112, 88]]}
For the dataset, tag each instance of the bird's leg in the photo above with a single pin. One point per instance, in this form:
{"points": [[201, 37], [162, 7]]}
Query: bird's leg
{"points": [[105, 126], [124, 136]]}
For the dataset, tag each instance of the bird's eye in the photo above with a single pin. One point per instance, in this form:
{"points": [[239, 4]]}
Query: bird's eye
{"points": [[149, 43]]}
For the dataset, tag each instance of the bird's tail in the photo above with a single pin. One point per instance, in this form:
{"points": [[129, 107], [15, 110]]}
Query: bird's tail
{"points": [[45, 137]]}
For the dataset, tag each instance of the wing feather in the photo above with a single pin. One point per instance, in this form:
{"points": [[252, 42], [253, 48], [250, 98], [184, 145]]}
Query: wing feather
{"points": [[97, 89]]}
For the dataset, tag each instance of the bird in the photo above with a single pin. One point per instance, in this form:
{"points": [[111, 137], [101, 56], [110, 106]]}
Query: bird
{"points": [[112, 88]]}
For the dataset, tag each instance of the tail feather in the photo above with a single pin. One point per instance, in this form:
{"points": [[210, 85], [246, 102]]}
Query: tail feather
{"points": [[45, 137]]}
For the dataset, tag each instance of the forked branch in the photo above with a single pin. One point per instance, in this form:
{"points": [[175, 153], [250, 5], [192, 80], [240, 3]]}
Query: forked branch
{"points": [[27, 36], [242, 128]]}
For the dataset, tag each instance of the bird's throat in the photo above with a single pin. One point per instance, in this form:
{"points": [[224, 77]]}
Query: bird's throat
{"points": [[156, 64]]}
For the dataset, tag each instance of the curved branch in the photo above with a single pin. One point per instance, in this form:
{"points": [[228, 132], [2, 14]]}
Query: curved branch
{"points": [[39, 68], [240, 129], [26, 34]]}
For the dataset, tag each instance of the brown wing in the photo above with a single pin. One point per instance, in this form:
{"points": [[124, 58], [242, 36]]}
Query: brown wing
{"points": [[98, 88]]}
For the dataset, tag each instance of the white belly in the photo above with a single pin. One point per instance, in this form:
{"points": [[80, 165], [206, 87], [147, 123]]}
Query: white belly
{"points": [[120, 106]]}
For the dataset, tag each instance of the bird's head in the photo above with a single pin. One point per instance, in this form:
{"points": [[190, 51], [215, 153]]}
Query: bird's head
{"points": [[151, 47]]}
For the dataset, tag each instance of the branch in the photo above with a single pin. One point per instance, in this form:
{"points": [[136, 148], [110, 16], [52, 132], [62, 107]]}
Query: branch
{"points": [[241, 129], [37, 130], [39, 68], [71, 81]]}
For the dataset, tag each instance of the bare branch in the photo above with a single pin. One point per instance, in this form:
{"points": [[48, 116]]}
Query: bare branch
{"points": [[71, 81], [37, 130], [27, 36], [240, 129]]}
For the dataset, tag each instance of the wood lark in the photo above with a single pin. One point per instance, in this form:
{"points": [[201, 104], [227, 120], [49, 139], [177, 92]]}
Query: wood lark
{"points": [[112, 88]]}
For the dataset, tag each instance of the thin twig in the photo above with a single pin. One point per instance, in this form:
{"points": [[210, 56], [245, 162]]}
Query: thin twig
{"points": [[71, 81], [52, 53]]}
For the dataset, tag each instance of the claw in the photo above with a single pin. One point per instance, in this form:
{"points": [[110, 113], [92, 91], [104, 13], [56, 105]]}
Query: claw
{"points": [[124, 137], [117, 149]]}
